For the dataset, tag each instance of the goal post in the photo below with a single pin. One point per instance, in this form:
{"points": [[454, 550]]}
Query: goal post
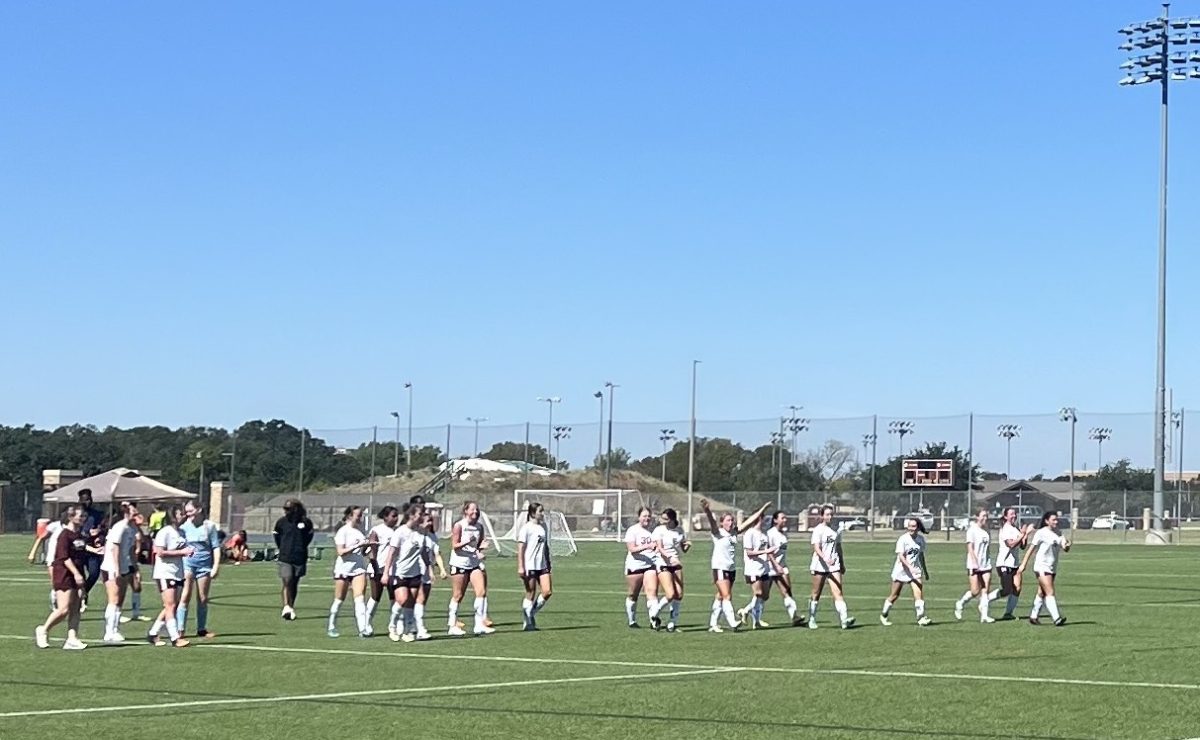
{"points": [[587, 514], [562, 540]]}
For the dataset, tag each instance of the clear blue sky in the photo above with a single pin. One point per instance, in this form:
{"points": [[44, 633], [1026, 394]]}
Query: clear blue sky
{"points": [[274, 209]]}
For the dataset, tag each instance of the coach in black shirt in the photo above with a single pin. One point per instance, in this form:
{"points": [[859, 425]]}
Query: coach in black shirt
{"points": [[293, 535]]}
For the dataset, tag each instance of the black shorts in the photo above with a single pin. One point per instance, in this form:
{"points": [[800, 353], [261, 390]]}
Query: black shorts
{"points": [[1006, 571], [670, 568], [288, 571], [169, 584], [457, 571], [411, 582], [978, 572], [724, 575], [640, 571], [536, 573], [756, 579], [1039, 574]]}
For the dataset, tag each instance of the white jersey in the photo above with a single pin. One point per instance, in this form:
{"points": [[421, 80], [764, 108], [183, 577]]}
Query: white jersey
{"points": [[536, 539], [826, 539], [383, 535], [724, 549], [408, 545], [352, 563], [168, 567], [121, 535], [756, 565], [1046, 542], [1007, 557], [979, 540], [430, 543], [670, 542], [909, 548], [639, 536], [467, 556], [53, 530], [777, 539]]}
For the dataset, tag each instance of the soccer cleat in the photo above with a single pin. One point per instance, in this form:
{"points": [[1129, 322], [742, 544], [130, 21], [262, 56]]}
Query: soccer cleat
{"points": [[715, 628], [180, 643], [799, 621], [958, 607], [655, 623], [528, 627], [763, 624], [847, 623], [153, 640], [986, 620], [670, 626], [141, 618], [884, 620], [741, 615], [1007, 617], [924, 622], [634, 626], [288, 613], [393, 635], [204, 633], [1034, 620], [1060, 621], [368, 632], [331, 632], [407, 637], [456, 631], [73, 644], [812, 624], [40, 638], [126, 619], [114, 638], [484, 630], [423, 635]]}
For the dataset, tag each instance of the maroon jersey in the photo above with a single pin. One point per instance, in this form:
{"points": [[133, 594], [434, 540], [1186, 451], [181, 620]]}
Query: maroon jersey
{"points": [[70, 546]]}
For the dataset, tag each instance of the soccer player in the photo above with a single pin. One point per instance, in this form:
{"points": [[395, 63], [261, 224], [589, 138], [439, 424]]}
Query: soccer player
{"points": [[780, 575], [1012, 541], [431, 556], [467, 550], [909, 568], [200, 568], [117, 569], [378, 537], [724, 571], [170, 549], [756, 559], [93, 532], [349, 570], [979, 568], [67, 572], [827, 568], [293, 535], [49, 538], [641, 569], [533, 564], [1044, 549], [403, 565], [671, 541], [141, 550]]}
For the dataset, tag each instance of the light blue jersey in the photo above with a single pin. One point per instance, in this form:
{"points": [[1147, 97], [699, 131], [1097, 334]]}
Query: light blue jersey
{"points": [[204, 539]]}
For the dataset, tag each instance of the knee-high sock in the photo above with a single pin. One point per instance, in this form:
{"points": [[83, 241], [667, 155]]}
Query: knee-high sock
{"points": [[1052, 607], [371, 606], [919, 607], [394, 618], [202, 616], [1037, 607], [112, 619], [181, 618], [452, 614], [985, 600], [790, 604], [360, 614], [538, 603], [675, 610], [995, 592], [631, 610], [966, 599], [334, 608], [727, 610], [715, 616], [840, 607], [173, 630], [812, 609], [527, 609], [652, 607], [419, 617], [480, 611], [887, 607]]}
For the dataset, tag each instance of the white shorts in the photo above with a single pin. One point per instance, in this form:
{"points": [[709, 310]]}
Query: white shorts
{"points": [[902, 576]]}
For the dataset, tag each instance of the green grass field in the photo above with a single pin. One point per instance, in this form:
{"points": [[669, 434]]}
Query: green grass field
{"points": [[1124, 667]]}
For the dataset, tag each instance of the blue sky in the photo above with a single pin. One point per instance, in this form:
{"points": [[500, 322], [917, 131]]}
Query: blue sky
{"points": [[233, 211]]}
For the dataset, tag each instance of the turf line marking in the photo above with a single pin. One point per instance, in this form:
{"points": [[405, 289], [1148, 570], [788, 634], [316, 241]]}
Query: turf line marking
{"points": [[354, 694]]}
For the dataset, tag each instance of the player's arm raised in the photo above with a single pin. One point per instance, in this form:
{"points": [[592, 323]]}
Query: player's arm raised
{"points": [[712, 520], [750, 521]]}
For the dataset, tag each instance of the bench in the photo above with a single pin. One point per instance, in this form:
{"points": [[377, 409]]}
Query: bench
{"points": [[262, 546]]}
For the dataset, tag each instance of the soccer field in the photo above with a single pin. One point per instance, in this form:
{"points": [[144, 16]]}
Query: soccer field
{"points": [[1125, 666]]}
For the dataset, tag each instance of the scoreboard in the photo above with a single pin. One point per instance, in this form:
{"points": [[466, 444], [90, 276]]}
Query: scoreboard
{"points": [[927, 473]]}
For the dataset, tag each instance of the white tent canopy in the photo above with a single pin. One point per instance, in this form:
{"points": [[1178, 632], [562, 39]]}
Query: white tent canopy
{"points": [[120, 484]]}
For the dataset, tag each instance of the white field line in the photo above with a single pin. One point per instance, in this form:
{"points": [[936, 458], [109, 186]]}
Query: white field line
{"points": [[353, 694]]}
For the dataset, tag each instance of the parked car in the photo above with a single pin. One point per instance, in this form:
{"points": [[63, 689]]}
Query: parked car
{"points": [[960, 523], [851, 523], [1111, 521], [924, 517]]}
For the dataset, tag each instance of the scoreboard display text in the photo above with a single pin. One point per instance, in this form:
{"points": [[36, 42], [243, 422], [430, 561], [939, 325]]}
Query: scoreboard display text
{"points": [[927, 473]]}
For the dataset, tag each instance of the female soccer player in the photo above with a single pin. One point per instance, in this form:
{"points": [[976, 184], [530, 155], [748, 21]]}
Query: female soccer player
{"points": [[142, 546], [378, 537], [200, 568], [117, 569], [756, 559], [403, 564], [170, 549], [1044, 550], [724, 572], [68, 565], [641, 569], [349, 571], [778, 540], [827, 568], [49, 538], [909, 568], [979, 568], [467, 550], [1012, 541], [431, 556], [671, 541], [533, 564]]}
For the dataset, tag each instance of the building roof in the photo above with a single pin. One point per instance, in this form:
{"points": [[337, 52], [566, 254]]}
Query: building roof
{"points": [[1060, 490]]}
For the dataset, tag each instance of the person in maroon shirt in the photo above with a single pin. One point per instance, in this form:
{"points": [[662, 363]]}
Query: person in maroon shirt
{"points": [[67, 572]]}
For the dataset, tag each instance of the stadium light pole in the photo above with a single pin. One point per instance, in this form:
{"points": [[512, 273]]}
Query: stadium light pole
{"points": [[1100, 434], [871, 439], [476, 420], [692, 446], [1008, 431], [791, 420], [549, 401], [612, 387], [559, 434], [777, 439], [901, 428], [396, 451], [1067, 413], [1172, 54], [408, 448], [600, 433], [200, 496], [666, 435]]}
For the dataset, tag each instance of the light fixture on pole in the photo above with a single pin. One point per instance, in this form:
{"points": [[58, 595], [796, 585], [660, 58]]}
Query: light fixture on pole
{"points": [[1067, 413], [1168, 47], [549, 401], [408, 448], [396, 449], [901, 429], [1100, 434], [795, 425], [612, 387], [1008, 431], [665, 436], [559, 434], [476, 420]]}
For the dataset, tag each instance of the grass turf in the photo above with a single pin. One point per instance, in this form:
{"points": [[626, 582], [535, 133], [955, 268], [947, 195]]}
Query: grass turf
{"points": [[1124, 666]]}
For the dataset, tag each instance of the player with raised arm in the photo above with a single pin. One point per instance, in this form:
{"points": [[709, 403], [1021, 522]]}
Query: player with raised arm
{"points": [[170, 549], [909, 568], [979, 568], [533, 564], [827, 569], [756, 561], [641, 569], [431, 556], [780, 575], [200, 568], [378, 538], [467, 550], [350, 571], [671, 541], [1044, 550], [68, 568], [724, 571], [1008, 560], [117, 571]]}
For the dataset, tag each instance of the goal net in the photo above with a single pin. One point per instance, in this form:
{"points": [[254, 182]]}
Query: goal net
{"points": [[587, 514], [562, 541]]}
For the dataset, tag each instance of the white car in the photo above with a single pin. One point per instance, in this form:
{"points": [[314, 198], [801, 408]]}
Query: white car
{"points": [[1110, 521]]}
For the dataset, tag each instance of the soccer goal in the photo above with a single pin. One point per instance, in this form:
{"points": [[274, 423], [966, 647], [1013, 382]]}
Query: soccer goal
{"points": [[588, 514], [562, 541]]}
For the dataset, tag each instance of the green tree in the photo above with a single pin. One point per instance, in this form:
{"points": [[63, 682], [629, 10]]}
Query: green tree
{"points": [[1118, 487], [621, 460]]}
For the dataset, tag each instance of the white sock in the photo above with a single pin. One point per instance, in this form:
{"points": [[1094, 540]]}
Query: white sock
{"points": [[652, 607], [919, 607], [675, 610], [480, 611], [157, 627], [360, 615], [452, 618], [995, 592], [887, 607], [136, 604], [53, 601], [631, 610], [419, 617], [527, 608], [172, 630], [716, 613], [1052, 607], [112, 619], [1010, 605], [790, 604], [334, 608], [538, 603], [407, 617], [485, 607], [749, 607], [966, 599], [757, 611], [727, 610], [985, 600], [812, 609], [663, 603], [839, 606], [394, 618], [1037, 607], [371, 605]]}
